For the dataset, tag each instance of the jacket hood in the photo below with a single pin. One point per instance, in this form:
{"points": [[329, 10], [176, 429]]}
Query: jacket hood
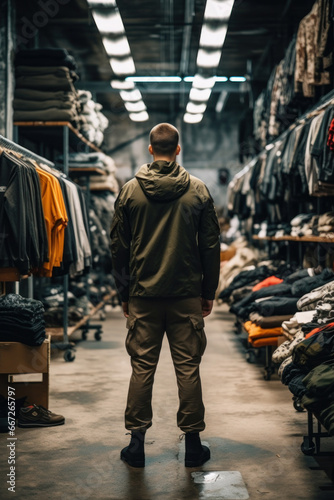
{"points": [[163, 180]]}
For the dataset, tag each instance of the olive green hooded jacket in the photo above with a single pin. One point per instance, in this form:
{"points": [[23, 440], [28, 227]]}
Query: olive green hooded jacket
{"points": [[165, 235]]}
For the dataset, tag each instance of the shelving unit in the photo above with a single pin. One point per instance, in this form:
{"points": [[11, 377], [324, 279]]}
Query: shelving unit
{"points": [[53, 139]]}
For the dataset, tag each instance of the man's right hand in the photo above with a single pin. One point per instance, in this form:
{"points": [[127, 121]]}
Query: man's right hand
{"points": [[207, 306]]}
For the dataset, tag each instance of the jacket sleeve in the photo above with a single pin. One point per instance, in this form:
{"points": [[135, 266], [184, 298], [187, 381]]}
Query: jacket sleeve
{"points": [[209, 249], [120, 235]]}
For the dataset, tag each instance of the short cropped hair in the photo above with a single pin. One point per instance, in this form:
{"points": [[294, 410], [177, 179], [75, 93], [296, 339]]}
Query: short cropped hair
{"points": [[164, 139]]}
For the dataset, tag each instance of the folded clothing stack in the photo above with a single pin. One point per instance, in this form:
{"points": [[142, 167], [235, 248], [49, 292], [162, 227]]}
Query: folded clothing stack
{"points": [[107, 182], [22, 320], [44, 86], [326, 225], [95, 121], [261, 337], [301, 225]]}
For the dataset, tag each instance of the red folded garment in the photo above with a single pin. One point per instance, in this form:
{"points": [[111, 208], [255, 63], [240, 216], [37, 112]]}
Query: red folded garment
{"points": [[319, 329], [272, 280]]}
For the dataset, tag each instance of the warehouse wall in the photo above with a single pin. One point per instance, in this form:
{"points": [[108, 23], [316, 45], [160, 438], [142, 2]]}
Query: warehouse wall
{"points": [[206, 147]]}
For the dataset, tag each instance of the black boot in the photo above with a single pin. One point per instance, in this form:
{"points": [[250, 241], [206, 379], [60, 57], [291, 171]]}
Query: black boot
{"points": [[196, 453], [134, 454]]}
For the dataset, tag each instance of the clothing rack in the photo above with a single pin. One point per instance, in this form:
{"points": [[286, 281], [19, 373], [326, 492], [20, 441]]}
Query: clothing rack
{"points": [[6, 143], [325, 101]]}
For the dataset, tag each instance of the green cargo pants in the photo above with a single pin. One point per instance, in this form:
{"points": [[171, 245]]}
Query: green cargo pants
{"points": [[183, 323]]}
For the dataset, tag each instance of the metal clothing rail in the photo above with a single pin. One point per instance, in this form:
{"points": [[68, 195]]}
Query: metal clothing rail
{"points": [[6, 143]]}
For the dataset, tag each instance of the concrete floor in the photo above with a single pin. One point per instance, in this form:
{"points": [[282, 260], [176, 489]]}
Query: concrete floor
{"points": [[251, 428]]}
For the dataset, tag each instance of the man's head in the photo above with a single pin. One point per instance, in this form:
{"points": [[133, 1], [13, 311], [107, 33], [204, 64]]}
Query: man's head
{"points": [[164, 142]]}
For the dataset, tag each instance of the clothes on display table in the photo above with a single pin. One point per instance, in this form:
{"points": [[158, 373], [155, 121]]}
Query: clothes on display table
{"points": [[21, 320], [42, 218]]}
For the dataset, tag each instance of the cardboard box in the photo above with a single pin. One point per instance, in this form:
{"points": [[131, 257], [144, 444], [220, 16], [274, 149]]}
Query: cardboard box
{"points": [[17, 358]]}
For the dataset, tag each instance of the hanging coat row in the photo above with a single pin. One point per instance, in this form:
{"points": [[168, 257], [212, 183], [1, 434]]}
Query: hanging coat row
{"points": [[43, 219]]}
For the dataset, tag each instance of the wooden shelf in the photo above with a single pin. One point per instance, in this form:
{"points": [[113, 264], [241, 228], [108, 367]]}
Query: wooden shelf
{"points": [[306, 239], [45, 130], [102, 189], [82, 171]]}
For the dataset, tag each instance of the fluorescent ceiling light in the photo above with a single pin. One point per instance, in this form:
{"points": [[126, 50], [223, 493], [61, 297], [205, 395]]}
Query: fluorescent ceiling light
{"points": [[188, 79], [157, 79], [122, 66], [237, 79], [221, 78], [213, 36], [139, 117], [135, 107], [194, 108], [119, 47], [206, 59], [218, 10], [130, 95], [269, 147], [200, 82], [190, 118], [122, 85], [200, 95], [105, 3], [108, 22]]}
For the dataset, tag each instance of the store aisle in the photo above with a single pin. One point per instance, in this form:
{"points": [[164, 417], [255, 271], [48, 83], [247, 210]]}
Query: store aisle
{"points": [[251, 428]]}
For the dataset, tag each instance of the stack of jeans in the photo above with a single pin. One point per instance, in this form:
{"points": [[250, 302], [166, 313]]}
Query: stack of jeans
{"points": [[21, 320], [44, 86]]}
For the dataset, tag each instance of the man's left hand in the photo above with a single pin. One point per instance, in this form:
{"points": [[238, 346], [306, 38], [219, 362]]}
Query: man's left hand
{"points": [[125, 307]]}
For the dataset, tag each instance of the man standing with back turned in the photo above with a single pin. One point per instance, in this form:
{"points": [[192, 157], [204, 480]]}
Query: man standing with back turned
{"points": [[165, 253]]}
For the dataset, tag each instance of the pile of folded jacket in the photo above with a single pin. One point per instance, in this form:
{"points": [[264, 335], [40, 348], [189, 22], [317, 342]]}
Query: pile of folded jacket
{"points": [[98, 182], [326, 225], [302, 224], [21, 320], [95, 122], [306, 358], [264, 307], [44, 86]]}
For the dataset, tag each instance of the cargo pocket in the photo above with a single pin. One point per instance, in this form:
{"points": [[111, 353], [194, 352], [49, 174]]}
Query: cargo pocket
{"points": [[198, 328], [130, 342]]}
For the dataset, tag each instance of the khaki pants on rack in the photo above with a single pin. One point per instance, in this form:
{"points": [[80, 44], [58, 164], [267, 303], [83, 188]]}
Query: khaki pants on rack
{"points": [[182, 321]]}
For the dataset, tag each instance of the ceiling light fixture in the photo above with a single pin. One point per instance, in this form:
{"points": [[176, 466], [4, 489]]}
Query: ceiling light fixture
{"points": [[218, 10], [131, 95], [191, 118], [108, 22], [135, 107], [122, 66], [208, 59], [195, 108], [99, 3], [118, 47], [122, 85], [198, 95], [139, 117], [237, 79], [202, 82], [154, 79], [213, 34]]}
